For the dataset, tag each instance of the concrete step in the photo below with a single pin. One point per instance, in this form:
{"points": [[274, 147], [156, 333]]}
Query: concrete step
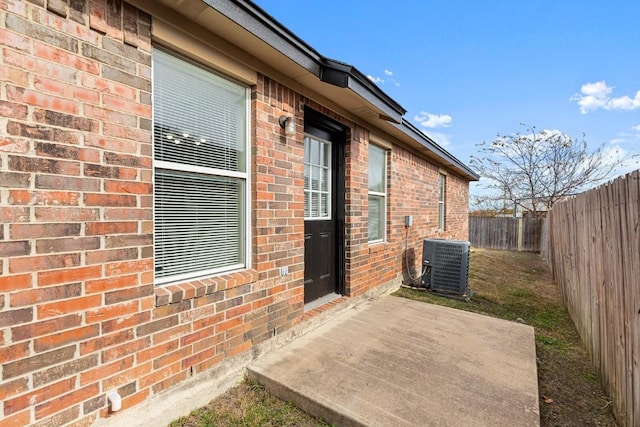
{"points": [[397, 362]]}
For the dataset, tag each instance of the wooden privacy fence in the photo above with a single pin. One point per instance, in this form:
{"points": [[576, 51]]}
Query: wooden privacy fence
{"points": [[521, 234], [594, 252]]}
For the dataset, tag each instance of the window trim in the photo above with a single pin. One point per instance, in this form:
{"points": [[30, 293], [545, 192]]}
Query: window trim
{"points": [[245, 176], [442, 201], [173, 37], [329, 193], [383, 195]]}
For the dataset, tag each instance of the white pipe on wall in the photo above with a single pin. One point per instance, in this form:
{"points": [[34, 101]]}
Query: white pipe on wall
{"points": [[115, 400]]}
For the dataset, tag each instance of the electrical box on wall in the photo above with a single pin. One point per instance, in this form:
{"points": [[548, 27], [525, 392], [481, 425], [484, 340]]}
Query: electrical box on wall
{"points": [[408, 220]]}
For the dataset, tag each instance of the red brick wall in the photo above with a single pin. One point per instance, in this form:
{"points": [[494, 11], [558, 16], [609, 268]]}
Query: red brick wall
{"points": [[412, 189], [79, 313], [75, 203]]}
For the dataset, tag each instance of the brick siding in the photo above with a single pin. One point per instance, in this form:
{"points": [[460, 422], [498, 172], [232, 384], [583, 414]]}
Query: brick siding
{"points": [[79, 313]]}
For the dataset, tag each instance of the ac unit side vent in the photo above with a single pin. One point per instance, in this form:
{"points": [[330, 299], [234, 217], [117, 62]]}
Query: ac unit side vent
{"points": [[448, 262]]}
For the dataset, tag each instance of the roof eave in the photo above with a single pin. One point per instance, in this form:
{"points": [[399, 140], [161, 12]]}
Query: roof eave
{"points": [[347, 76], [256, 21], [416, 134], [250, 19]]}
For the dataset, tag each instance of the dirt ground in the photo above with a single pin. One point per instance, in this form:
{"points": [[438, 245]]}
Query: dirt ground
{"points": [[509, 285]]}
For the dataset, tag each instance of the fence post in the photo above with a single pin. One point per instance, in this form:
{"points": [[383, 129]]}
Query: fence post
{"points": [[520, 233]]}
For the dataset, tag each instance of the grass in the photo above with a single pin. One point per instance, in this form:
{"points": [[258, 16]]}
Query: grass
{"points": [[515, 286], [518, 286], [247, 405], [523, 291]]}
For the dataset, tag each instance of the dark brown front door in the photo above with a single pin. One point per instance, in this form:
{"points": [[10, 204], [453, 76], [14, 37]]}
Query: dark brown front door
{"points": [[324, 207]]}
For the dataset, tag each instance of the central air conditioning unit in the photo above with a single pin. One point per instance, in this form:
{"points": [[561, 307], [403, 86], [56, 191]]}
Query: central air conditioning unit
{"points": [[446, 264]]}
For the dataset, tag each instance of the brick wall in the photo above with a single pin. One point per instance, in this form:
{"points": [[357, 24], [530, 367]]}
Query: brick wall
{"points": [[79, 313], [75, 197], [412, 189]]}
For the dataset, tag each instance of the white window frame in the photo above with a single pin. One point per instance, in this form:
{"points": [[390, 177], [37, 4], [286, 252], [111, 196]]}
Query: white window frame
{"points": [[246, 176], [382, 195], [442, 199], [329, 191]]}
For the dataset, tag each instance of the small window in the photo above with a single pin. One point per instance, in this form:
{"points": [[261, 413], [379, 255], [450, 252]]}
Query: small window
{"points": [[200, 143], [442, 182], [317, 178], [377, 193]]}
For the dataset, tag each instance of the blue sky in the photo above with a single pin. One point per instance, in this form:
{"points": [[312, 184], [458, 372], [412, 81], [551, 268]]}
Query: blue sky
{"points": [[467, 70]]}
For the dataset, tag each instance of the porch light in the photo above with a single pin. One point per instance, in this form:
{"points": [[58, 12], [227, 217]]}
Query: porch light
{"points": [[288, 124]]}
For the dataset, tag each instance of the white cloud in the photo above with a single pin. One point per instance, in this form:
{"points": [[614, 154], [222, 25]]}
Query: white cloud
{"points": [[597, 89], [627, 138], [616, 141], [381, 80], [615, 153], [594, 96], [440, 138], [429, 121], [432, 121]]}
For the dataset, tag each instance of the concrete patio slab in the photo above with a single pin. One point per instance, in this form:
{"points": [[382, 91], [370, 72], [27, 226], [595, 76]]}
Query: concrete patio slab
{"points": [[397, 362]]}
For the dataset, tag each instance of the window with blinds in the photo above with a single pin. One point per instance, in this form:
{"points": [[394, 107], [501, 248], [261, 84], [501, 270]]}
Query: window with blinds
{"points": [[200, 170], [442, 182], [317, 178], [377, 193]]}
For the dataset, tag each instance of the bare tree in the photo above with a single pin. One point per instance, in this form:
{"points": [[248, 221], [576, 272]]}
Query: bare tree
{"points": [[533, 170], [490, 205]]}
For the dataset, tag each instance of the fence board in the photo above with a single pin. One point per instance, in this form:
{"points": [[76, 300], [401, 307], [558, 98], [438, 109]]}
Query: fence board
{"points": [[502, 233], [633, 210], [592, 243]]}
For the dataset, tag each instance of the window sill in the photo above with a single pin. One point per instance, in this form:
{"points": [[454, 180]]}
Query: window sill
{"points": [[196, 288]]}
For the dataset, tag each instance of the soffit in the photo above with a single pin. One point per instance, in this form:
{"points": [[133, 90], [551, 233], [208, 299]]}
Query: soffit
{"points": [[281, 55], [296, 64]]}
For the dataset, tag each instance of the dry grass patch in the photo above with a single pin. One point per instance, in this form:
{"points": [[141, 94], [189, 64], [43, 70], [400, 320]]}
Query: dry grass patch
{"points": [[248, 405]]}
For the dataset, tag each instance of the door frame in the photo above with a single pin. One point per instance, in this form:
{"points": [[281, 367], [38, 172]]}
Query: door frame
{"points": [[318, 124]]}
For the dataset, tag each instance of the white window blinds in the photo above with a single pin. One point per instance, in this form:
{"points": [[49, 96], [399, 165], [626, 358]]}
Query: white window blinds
{"points": [[317, 178], [200, 177], [377, 193], [442, 182]]}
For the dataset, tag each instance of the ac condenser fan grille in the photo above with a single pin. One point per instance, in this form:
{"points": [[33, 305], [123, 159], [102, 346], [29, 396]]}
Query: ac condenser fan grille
{"points": [[449, 265]]}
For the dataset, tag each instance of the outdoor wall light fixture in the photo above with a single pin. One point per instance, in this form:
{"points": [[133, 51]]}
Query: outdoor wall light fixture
{"points": [[288, 124]]}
